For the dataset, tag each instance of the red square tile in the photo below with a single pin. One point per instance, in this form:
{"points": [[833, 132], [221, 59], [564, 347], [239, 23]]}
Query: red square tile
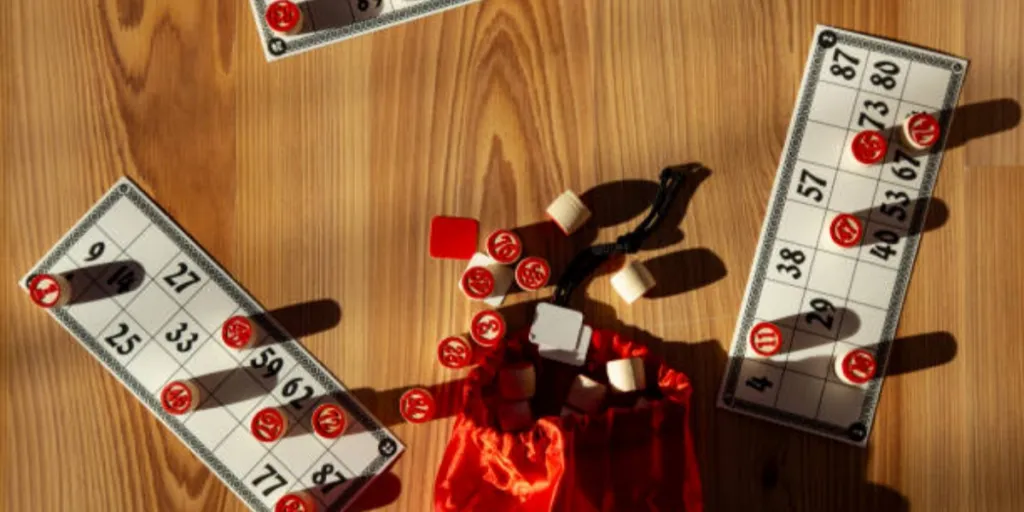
{"points": [[453, 237]]}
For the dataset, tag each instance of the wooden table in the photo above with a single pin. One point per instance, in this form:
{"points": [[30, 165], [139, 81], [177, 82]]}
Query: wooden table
{"points": [[313, 179]]}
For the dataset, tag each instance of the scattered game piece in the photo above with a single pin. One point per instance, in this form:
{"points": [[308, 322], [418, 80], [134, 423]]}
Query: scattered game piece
{"points": [[49, 291], [502, 278], [170, 329], [560, 335], [533, 273], [477, 283], [921, 131], [633, 281], [269, 424], [855, 367], [568, 212], [517, 381], [626, 375], [237, 332], [284, 17], [504, 246], [180, 397], [487, 328], [453, 238], [514, 416], [454, 352], [846, 230], [417, 405], [296, 502], [328, 421], [586, 394], [337, 20], [828, 281], [766, 339], [869, 147]]}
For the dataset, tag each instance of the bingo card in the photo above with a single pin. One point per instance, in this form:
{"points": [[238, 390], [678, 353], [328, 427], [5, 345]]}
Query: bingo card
{"points": [[839, 240], [290, 27], [158, 311]]}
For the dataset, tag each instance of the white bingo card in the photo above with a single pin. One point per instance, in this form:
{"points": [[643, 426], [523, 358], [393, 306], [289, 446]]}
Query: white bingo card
{"points": [[812, 295], [149, 304], [326, 22]]}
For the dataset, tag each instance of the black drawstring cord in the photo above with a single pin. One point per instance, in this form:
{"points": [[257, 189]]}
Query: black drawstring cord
{"points": [[587, 261]]}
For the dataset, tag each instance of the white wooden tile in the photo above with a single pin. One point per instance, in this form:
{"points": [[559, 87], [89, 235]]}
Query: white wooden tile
{"points": [[123, 222], [831, 274], [152, 308], [832, 104], [240, 451], [870, 322], [211, 307], [841, 405], [181, 336], [153, 367], [779, 303], [873, 112], [181, 279], [556, 327], [502, 282], [211, 423], [873, 285], [790, 263], [153, 250], [822, 144], [821, 314], [886, 75], [210, 364], [800, 223], [811, 184], [270, 480], [810, 354], [758, 382], [844, 65], [799, 394], [926, 85], [853, 194], [298, 450], [894, 205]]}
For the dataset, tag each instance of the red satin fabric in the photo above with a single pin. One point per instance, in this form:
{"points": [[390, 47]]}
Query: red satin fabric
{"points": [[624, 458]]}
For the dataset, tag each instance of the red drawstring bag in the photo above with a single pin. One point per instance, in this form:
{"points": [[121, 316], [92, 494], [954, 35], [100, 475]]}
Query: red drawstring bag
{"points": [[628, 458]]}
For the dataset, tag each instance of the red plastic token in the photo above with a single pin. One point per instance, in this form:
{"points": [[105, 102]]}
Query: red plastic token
{"points": [[45, 290], [237, 332], [283, 16], [533, 273], [766, 339], [453, 237], [329, 421], [268, 425], [846, 230], [478, 283], [869, 147], [417, 405], [504, 246], [859, 366], [922, 130], [295, 502], [177, 398], [487, 328], [454, 352]]}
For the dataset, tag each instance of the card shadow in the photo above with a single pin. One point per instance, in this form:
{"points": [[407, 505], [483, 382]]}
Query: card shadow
{"points": [[935, 212], [216, 385], [102, 281], [299, 320], [380, 492]]}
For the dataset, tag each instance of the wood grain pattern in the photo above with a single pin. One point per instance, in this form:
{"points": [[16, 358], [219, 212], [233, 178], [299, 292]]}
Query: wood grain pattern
{"points": [[313, 179]]}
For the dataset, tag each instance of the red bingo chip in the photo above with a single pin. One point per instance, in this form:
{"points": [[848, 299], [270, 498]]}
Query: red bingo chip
{"points": [[295, 502], [477, 283], [869, 147], [237, 332], [504, 246], [178, 397], [859, 366], [417, 405], [921, 130], [454, 352], [766, 339], [268, 425], [846, 230], [46, 291], [328, 421], [283, 16], [533, 273], [487, 328]]}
